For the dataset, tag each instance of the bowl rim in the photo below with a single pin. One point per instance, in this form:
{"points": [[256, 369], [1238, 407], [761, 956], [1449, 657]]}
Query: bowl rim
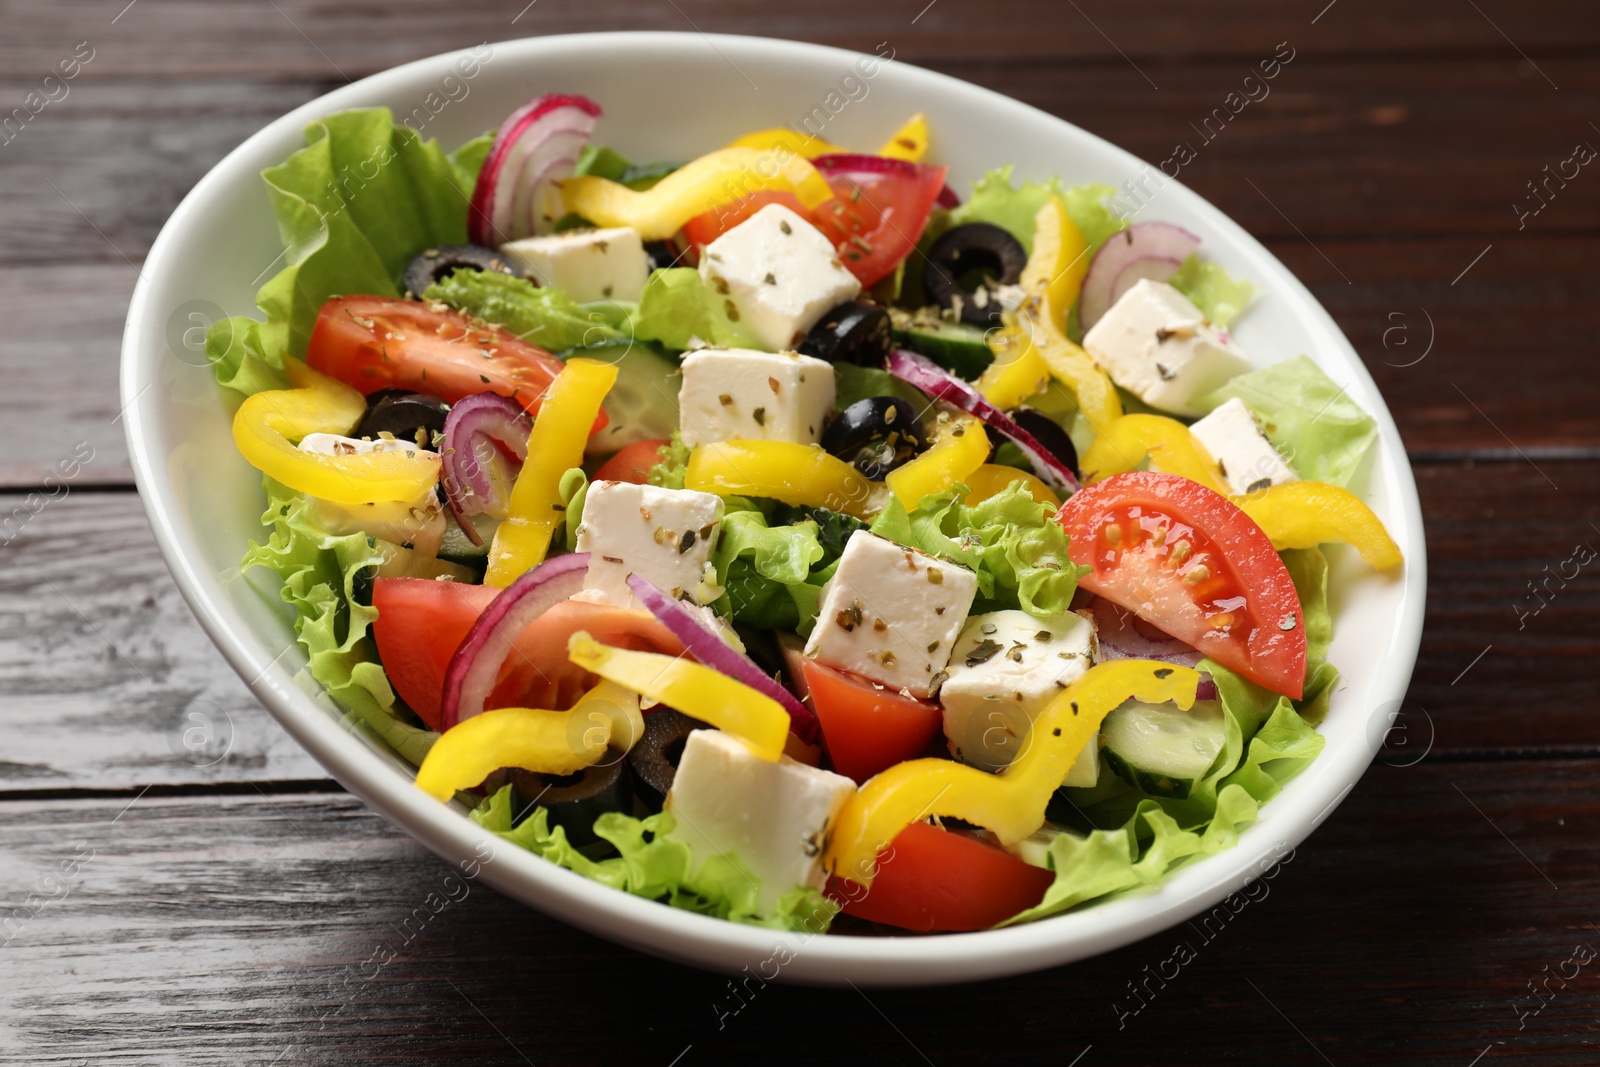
{"points": [[683, 936]]}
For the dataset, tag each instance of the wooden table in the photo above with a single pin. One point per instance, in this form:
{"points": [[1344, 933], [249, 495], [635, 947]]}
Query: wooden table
{"points": [[238, 912]]}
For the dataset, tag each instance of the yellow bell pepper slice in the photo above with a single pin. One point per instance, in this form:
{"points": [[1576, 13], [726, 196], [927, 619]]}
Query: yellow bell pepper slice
{"points": [[1172, 449], [801, 144], [961, 448], [753, 717], [1018, 370], [1072, 366], [910, 142], [269, 423], [991, 479], [555, 445], [1010, 804], [1055, 269], [783, 470], [548, 742], [1307, 514], [721, 177]]}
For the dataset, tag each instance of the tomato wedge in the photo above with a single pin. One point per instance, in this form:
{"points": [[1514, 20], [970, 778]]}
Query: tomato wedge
{"points": [[377, 342], [867, 728], [633, 463], [421, 623], [877, 213], [933, 879], [1186, 560]]}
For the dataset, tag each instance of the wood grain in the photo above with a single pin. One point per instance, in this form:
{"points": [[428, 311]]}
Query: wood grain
{"points": [[249, 928]]}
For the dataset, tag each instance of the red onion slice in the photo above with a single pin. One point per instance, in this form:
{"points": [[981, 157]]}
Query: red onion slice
{"points": [[712, 651], [1123, 635], [1142, 240], [475, 667], [849, 164], [475, 431], [941, 384], [1155, 268], [537, 145]]}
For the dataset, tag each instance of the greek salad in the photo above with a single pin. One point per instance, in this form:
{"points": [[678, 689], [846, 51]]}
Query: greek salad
{"points": [[780, 535]]}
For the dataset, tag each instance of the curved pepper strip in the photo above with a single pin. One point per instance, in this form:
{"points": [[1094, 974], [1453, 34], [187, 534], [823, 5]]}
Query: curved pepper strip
{"points": [[555, 445], [1293, 515], [801, 144], [268, 423], [1123, 445], [1018, 370], [753, 717], [1307, 514], [546, 742], [707, 183], [910, 142], [991, 479], [961, 448], [802, 475], [1011, 804]]}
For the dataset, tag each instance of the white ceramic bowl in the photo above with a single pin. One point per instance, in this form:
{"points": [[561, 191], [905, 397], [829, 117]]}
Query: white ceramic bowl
{"points": [[672, 96]]}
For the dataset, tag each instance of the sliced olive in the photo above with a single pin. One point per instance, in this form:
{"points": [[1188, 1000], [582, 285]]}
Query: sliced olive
{"points": [[654, 760], [662, 254], [876, 434], [967, 263], [436, 264], [408, 416], [575, 801], [1049, 434], [857, 332]]}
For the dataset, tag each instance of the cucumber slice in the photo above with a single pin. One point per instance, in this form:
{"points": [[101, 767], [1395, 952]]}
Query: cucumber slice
{"points": [[643, 405], [401, 562], [455, 547], [955, 346], [1162, 749]]}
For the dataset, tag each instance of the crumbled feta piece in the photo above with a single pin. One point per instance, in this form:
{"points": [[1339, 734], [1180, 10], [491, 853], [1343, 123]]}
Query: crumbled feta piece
{"points": [[585, 264], [664, 535], [738, 394], [1161, 348], [776, 275], [773, 818], [415, 524], [1247, 460], [891, 613], [1005, 668]]}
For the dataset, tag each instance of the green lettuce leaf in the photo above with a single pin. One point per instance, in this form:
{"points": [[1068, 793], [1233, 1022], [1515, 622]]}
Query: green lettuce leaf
{"points": [[544, 317], [318, 570], [852, 383], [652, 863], [1013, 208], [675, 310], [668, 472], [1212, 289], [767, 571], [1322, 431], [1011, 541], [354, 206]]}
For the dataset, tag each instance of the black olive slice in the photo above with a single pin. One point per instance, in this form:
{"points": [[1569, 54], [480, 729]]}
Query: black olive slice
{"points": [[1051, 437], [966, 259], [875, 434], [403, 414], [435, 264], [854, 332], [575, 801], [654, 760]]}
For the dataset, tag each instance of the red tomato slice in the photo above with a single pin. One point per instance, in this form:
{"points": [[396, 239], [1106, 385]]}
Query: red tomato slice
{"points": [[376, 342], [932, 879], [867, 728], [421, 623], [874, 219], [1188, 561], [633, 463]]}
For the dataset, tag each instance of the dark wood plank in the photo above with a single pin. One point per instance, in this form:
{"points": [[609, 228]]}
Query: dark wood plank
{"points": [[109, 683], [247, 929], [306, 39]]}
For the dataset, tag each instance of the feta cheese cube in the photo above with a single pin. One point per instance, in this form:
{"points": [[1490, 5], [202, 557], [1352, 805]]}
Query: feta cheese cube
{"points": [[1247, 460], [414, 524], [1161, 348], [585, 264], [891, 613], [664, 535], [776, 274], [771, 817], [1006, 666], [738, 394]]}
